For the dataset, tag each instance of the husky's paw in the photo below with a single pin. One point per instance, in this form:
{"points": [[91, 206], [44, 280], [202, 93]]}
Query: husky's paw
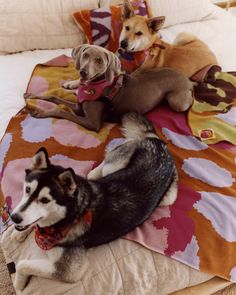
{"points": [[94, 174], [22, 275], [20, 236], [6, 236], [71, 84], [20, 281]]}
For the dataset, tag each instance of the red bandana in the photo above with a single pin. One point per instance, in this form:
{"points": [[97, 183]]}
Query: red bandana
{"points": [[48, 237], [131, 61], [93, 90]]}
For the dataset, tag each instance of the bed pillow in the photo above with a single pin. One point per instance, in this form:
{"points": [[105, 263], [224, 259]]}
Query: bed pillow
{"points": [[40, 24], [102, 26], [175, 11]]}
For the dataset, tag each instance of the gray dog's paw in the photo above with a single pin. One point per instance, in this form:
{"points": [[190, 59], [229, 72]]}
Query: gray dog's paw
{"points": [[71, 84], [35, 112]]}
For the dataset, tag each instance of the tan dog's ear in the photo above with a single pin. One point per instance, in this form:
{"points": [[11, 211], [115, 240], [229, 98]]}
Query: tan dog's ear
{"points": [[155, 23], [113, 67], [127, 10]]}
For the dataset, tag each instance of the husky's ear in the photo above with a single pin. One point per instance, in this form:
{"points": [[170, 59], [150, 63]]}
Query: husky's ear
{"points": [[67, 181], [155, 23], [40, 160], [127, 10], [113, 67]]}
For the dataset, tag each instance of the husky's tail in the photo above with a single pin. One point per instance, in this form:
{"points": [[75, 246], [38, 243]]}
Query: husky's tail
{"points": [[136, 126]]}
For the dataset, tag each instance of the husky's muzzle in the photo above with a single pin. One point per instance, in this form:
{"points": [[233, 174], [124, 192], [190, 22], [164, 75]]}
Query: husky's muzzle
{"points": [[16, 218]]}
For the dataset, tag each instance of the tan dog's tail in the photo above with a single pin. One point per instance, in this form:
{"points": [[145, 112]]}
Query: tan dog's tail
{"points": [[184, 38]]}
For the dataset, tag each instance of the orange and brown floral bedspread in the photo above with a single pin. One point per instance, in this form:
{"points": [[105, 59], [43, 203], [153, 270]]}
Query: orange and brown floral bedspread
{"points": [[199, 229]]}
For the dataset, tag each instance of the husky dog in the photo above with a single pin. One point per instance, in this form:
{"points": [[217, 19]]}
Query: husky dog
{"points": [[75, 213]]}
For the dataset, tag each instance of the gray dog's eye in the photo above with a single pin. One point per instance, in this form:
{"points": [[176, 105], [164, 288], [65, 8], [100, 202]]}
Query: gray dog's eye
{"points": [[85, 55], [27, 189]]}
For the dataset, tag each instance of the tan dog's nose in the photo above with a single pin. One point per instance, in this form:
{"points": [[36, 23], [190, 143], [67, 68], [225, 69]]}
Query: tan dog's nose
{"points": [[124, 43]]}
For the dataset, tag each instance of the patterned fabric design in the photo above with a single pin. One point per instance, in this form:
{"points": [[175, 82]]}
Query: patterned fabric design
{"points": [[212, 117], [102, 26], [199, 229]]}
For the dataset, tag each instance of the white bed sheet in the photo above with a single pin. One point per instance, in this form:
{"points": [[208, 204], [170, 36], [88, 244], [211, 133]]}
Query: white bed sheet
{"points": [[218, 31], [15, 72]]}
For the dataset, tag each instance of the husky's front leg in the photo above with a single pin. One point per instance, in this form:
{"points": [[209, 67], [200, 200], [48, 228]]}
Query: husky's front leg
{"points": [[36, 267], [20, 236]]}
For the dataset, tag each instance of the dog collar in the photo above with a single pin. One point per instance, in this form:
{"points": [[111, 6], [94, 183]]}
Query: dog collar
{"points": [[131, 61], [48, 237], [94, 90]]}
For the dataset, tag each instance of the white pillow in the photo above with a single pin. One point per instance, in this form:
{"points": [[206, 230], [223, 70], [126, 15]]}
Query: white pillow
{"points": [[175, 11], [180, 11], [40, 24]]}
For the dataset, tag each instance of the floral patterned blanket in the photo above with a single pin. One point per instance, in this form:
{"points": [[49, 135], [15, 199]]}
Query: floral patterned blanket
{"points": [[199, 229]]}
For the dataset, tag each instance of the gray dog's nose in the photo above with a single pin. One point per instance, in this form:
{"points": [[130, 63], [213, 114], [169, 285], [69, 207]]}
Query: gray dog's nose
{"points": [[124, 43], [83, 74], [16, 218]]}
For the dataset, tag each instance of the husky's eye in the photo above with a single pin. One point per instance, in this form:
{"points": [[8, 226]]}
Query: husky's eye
{"points": [[127, 28], [139, 33], [85, 55], [27, 189], [44, 200]]}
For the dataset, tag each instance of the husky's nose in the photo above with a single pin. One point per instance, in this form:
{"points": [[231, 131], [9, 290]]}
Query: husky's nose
{"points": [[124, 43], [16, 218], [83, 74]]}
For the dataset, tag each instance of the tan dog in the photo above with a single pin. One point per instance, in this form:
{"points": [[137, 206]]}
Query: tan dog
{"points": [[188, 55], [139, 92]]}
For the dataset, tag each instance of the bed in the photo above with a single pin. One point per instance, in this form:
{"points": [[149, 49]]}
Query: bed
{"points": [[123, 266]]}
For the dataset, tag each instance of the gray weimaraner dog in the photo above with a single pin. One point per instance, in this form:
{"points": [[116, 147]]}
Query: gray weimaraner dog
{"points": [[117, 93]]}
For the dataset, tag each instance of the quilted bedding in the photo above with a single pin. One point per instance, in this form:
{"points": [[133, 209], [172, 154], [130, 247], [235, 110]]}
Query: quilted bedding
{"points": [[195, 230]]}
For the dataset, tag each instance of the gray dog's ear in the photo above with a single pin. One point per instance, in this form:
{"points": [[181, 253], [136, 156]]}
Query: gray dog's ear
{"points": [[127, 10], [113, 67], [155, 23], [76, 54], [77, 51]]}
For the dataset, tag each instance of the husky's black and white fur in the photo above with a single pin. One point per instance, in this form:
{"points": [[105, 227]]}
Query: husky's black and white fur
{"points": [[121, 193]]}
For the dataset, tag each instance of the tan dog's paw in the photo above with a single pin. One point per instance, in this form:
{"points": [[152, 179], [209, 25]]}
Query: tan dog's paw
{"points": [[71, 84]]}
